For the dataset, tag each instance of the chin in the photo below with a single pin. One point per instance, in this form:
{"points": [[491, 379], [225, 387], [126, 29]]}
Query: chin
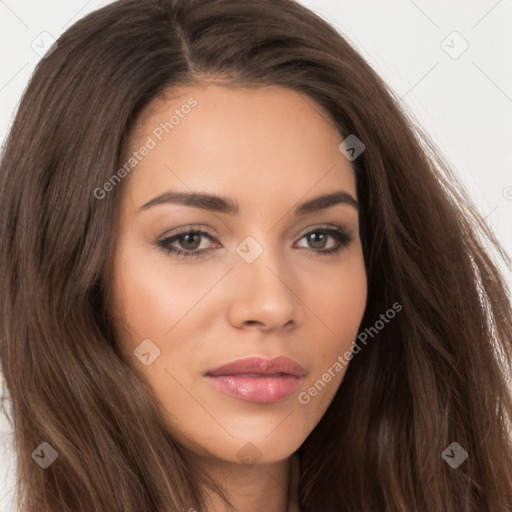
{"points": [[258, 447], [250, 448]]}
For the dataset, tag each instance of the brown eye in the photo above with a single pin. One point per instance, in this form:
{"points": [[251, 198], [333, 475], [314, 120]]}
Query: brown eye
{"points": [[187, 243], [318, 240]]}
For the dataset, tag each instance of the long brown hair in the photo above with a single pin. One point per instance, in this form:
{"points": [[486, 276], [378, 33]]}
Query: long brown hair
{"points": [[435, 375]]}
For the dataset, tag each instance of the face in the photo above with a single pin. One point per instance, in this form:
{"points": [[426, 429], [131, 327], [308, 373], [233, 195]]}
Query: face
{"points": [[250, 270]]}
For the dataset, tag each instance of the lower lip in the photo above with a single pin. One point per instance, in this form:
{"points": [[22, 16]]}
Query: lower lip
{"points": [[261, 390]]}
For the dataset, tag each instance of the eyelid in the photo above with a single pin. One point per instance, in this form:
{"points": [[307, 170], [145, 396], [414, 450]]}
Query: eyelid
{"points": [[320, 226], [186, 229]]}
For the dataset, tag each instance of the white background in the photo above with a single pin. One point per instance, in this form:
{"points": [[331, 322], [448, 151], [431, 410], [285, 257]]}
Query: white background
{"points": [[464, 103]]}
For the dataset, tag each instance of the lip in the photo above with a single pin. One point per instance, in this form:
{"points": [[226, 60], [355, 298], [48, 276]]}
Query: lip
{"points": [[257, 379]]}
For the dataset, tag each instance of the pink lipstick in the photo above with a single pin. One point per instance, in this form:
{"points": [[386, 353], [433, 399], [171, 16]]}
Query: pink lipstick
{"points": [[258, 380]]}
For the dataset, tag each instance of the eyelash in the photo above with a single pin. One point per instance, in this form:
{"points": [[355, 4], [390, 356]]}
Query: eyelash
{"points": [[341, 236]]}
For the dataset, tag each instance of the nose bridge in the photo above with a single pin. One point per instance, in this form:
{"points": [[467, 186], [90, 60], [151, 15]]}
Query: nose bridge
{"points": [[260, 258], [265, 288]]}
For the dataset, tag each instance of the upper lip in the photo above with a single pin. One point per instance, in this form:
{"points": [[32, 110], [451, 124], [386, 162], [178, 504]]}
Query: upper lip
{"points": [[259, 366]]}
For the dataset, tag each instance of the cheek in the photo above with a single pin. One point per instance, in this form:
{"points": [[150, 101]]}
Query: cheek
{"points": [[338, 301], [170, 305], [339, 307], [151, 298]]}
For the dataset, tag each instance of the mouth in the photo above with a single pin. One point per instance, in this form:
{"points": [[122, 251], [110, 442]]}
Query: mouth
{"points": [[257, 379]]}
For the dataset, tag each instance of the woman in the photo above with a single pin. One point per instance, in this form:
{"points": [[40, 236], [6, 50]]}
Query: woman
{"points": [[336, 338]]}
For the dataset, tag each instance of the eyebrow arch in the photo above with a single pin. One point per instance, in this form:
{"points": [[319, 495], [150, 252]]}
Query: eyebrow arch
{"points": [[220, 204]]}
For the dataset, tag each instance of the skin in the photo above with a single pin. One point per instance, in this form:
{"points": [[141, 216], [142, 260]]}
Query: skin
{"points": [[267, 149]]}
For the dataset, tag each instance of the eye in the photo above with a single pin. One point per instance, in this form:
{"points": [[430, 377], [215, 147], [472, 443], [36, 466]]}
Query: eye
{"points": [[189, 241], [318, 237]]}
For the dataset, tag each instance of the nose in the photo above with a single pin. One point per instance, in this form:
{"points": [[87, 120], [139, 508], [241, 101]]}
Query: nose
{"points": [[265, 295]]}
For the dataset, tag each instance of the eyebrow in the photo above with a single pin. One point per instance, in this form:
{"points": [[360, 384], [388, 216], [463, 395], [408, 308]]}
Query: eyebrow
{"points": [[225, 205]]}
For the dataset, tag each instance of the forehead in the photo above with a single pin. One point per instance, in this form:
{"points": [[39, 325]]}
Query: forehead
{"points": [[236, 141]]}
